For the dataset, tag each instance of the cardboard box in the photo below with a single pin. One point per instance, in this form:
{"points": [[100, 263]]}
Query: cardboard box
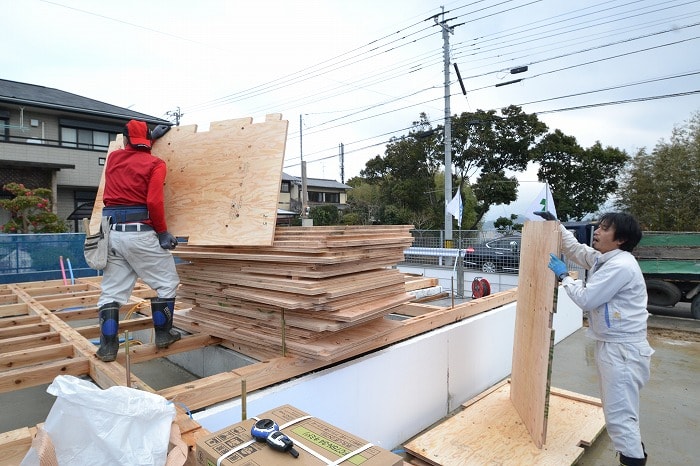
{"points": [[307, 432]]}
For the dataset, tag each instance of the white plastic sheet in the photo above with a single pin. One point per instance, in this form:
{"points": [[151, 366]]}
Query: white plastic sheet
{"points": [[119, 425]]}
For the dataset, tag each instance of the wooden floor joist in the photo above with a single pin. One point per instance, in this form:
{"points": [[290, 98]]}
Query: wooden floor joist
{"points": [[36, 358]]}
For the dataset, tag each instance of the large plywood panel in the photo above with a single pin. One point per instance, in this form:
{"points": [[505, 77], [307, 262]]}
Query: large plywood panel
{"points": [[489, 432], [533, 341], [222, 185]]}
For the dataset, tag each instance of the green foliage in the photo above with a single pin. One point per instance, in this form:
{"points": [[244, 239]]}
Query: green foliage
{"points": [[351, 218], [363, 201], [30, 211], [402, 182], [485, 145], [506, 225], [407, 184], [580, 179], [325, 215], [662, 189]]}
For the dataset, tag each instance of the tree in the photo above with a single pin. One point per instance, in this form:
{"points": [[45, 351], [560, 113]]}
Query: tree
{"points": [[506, 225], [580, 179], [662, 189], [363, 201], [325, 215], [405, 177], [485, 146], [30, 211]]}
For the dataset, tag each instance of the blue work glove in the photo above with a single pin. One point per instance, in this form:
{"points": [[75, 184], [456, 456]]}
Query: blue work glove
{"points": [[558, 267], [545, 214], [166, 240]]}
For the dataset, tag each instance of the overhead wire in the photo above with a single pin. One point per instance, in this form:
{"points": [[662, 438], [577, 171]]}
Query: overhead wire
{"points": [[538, 61], [417, 32]]}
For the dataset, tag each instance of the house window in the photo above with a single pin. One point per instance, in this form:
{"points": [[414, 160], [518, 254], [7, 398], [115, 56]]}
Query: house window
{"points": [[86, 135], [285, 187], [4, 129], [328, 198]]}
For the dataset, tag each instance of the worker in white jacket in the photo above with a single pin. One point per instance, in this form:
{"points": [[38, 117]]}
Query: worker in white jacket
{"points": [[614, 298]]}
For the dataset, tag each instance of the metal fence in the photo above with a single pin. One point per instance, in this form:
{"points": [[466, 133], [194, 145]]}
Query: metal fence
{"points": [[26, 258], [430, 248]]}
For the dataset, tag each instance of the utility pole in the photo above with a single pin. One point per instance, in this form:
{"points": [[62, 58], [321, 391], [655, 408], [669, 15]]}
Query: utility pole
{"points": [[446, 31], [177, 114], [304, 194], [342, 163]]}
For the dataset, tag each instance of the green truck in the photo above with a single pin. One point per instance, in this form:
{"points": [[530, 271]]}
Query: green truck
{"points": [[670, 262]]}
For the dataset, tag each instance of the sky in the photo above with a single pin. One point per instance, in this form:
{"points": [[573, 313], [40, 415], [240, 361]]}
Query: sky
{"points": [[359, 72]]}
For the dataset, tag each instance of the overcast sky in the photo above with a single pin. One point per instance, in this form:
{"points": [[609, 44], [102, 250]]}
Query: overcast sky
{"points": [[360, 71]]}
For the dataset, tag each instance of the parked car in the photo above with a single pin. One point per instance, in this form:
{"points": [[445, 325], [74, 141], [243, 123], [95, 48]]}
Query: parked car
{"points": [[496, 255]]}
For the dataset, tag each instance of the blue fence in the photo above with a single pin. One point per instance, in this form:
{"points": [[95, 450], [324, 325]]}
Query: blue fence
{"points": [[27, 258]]}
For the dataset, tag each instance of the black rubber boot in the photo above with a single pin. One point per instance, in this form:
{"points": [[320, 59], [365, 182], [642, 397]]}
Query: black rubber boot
{"points": [[627, 461], [162, 310], [109, 332]]}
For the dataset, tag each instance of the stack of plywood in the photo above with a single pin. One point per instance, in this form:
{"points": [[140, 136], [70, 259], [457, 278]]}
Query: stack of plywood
{"points": [[314, 287]]}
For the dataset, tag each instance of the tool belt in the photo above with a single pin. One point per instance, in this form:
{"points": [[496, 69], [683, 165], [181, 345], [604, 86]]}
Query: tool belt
{"points": [[126, 213]]}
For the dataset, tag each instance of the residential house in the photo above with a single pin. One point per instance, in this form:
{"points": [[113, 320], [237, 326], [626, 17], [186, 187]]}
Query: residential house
{"points": [[319, 192], [54, 139]]}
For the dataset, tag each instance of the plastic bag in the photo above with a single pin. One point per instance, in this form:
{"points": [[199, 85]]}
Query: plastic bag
{"points": [[119, 425], [96, 247]]}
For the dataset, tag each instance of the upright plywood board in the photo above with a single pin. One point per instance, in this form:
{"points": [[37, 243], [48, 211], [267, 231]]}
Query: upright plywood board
{"points": [[534, 339], [222, 185]]}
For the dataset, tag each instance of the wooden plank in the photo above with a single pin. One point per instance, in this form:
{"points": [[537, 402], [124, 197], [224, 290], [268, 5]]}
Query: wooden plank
{"points": [[223, 184], [29, 341], [533, 342], [15, 444], [206, 392], [42, 373], [489, 431], [7, 322], [23, 330], [22, 358], [14, 309]]}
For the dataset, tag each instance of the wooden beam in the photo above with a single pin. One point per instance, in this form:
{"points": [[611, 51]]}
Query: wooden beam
{"points": [[29, 341], [24, 377], [22, 358], [15, 444]]}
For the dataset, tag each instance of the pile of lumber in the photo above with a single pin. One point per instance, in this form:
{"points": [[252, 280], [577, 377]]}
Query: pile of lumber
{"points": [[316, 292]]}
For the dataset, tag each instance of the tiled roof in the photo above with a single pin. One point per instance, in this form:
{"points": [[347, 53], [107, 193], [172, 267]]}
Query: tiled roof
{"points": [[45, 97], [316, 182]]}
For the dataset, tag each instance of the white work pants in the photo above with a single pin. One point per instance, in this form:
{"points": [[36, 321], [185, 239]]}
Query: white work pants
{"points": [[623, 369], [135, 255]]}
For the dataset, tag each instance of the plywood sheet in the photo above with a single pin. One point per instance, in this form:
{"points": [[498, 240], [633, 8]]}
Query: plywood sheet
{"points": [[534, 339], [222, 185], [490, 431]]}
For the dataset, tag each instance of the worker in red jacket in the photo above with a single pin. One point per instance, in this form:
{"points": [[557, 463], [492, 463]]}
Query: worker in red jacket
{"points": [[139, 241]]}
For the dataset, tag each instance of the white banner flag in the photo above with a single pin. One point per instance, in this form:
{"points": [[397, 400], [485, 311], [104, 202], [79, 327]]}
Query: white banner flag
{"points": [[455, 208], [543, 202]]}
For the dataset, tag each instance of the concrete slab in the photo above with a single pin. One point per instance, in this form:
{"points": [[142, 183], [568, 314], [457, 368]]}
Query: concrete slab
{"points": [[670, 404]]}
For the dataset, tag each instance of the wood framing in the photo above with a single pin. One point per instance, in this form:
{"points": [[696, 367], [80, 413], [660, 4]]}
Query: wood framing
{"points": [[54, 348]]}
